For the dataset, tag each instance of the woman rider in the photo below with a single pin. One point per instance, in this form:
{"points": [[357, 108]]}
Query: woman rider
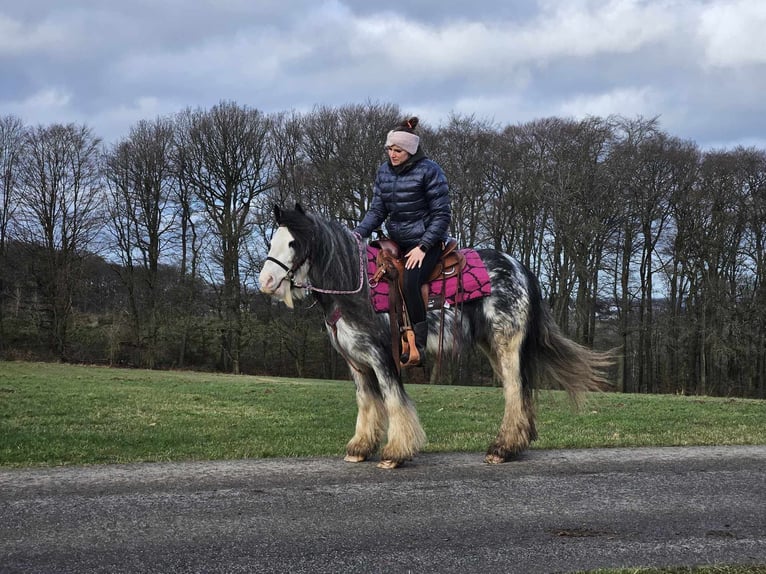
{"points": [[411, 196]]}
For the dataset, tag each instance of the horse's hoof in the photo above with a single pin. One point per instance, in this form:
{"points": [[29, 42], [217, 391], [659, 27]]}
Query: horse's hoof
{"points": [[354, 458], [494, 459], [388, 464]]}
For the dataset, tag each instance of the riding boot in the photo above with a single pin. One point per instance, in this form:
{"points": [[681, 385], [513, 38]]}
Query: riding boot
{"points": [[421, 336]]}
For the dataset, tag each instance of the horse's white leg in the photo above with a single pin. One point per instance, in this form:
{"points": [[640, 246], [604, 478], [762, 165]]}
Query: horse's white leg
{"points": [[405, 434], [518, 426], [370, 420]]}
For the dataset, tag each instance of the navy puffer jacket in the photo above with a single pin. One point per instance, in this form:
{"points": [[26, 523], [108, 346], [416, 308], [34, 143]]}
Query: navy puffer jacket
{"points": [[414, 203]]}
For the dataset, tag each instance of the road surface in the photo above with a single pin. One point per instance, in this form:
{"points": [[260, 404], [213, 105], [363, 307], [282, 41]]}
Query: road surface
{"points": [[550, 511]]}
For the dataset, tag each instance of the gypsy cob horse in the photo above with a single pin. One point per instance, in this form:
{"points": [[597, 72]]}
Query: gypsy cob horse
{"points": [[311, 256]]}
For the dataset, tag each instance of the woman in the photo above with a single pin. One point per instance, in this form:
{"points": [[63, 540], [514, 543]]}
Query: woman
{"points": [[412, 196]]}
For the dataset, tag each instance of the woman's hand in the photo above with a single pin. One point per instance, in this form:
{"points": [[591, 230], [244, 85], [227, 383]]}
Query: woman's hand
{"points": [[414, 258]]}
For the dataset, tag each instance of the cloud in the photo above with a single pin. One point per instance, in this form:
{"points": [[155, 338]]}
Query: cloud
{"points": [[16, 37], [561, 30], [120, 119], [585, 28], [50, 105], [732, 33], [628, 101], [698, 64]]}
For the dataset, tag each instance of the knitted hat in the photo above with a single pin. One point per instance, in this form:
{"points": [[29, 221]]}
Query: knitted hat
{"points": [[404, 136]]}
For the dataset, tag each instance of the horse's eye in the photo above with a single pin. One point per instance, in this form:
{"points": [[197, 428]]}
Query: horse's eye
{"points": [[291, 245], [268, 245]]}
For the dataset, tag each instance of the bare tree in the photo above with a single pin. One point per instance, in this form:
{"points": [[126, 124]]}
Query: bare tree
{"points": [[513, 212], [11, 150], [753, 166], [666, 167], [623, 168], [580, 214], [228, 166], [286, 147], [143, 216], [462, 148], [667, 339], [717, 268], [345, 148], [60, 214], [192, 235]]}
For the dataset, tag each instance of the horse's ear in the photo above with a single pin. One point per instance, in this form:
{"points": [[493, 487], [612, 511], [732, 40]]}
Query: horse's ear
{"points": [[277, 213], [299, 209]]}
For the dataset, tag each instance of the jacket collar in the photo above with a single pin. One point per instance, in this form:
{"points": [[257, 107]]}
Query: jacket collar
{"points": [[409, 164]]}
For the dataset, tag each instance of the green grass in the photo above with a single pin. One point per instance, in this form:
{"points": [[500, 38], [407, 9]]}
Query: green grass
{"points": [[52, 414]]}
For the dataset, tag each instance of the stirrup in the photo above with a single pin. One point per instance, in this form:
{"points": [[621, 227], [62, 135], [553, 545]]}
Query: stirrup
{"points": [[410, 356]]}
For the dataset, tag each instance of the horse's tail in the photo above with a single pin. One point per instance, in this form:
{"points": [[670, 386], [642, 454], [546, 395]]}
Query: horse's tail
{"points": [[551, 356]]}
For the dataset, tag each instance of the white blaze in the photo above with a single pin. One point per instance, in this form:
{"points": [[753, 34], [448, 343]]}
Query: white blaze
{"points": [[273, 278]]}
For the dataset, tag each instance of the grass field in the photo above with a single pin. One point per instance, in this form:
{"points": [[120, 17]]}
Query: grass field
{"points": [[53, 414]]}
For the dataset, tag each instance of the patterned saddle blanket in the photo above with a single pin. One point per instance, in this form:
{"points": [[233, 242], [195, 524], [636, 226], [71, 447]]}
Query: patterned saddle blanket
{"points": [[473, 283]]}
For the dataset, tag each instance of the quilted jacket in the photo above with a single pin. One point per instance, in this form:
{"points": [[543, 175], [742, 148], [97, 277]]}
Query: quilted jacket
{"points": [[414, 203]]}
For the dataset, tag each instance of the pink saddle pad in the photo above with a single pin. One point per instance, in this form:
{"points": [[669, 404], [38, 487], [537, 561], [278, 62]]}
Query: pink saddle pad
{"points": [[473, 282]]}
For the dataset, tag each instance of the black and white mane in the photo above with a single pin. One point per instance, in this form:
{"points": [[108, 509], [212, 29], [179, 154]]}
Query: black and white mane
{"points": [[334, 256]]}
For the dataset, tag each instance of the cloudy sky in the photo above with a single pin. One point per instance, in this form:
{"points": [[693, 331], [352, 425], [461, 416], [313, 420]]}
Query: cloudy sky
{"points": [[700, 65]]}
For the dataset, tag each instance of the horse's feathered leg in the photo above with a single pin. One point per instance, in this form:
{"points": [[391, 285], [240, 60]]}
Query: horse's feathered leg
{"points": [[381, 398], [405, 434], [517, 429], [370, 419]]}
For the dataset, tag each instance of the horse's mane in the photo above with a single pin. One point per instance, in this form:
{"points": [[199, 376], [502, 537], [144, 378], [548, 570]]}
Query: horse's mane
{"points": [[331, 248]]}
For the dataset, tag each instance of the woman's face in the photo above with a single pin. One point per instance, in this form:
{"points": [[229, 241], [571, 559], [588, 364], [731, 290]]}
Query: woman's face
{"points": [[397, 155]]}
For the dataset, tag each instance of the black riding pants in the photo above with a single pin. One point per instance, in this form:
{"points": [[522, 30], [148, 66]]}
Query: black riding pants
{"points": [[413, 279]]}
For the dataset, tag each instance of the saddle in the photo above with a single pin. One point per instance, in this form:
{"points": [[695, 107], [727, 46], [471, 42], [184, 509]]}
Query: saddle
{"points": [[389, 264]]}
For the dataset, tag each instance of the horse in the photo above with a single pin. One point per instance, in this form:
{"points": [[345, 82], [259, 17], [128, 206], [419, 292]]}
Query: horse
{"points": [[312, 256]]}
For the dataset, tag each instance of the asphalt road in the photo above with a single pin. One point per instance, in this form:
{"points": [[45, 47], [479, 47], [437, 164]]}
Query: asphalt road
{"points": [[550, 511]]}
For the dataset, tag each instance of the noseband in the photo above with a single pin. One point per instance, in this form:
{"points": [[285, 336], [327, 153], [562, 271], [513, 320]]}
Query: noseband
{"points": [[290, 272]]}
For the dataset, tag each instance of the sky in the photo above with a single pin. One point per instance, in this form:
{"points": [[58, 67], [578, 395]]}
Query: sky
{"points": [[697, 65]]}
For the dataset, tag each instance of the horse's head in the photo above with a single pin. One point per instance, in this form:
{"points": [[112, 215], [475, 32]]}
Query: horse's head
{"points": [[285, 271]]}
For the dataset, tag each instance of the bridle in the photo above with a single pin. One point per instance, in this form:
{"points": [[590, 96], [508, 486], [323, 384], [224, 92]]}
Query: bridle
{"points": [[290, 273]]}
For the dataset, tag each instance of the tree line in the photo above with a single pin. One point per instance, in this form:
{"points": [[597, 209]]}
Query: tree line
{"points": [[146, 251]]}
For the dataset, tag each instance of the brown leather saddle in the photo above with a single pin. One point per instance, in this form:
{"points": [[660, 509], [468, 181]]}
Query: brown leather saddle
{"points": [[390, 267]]}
